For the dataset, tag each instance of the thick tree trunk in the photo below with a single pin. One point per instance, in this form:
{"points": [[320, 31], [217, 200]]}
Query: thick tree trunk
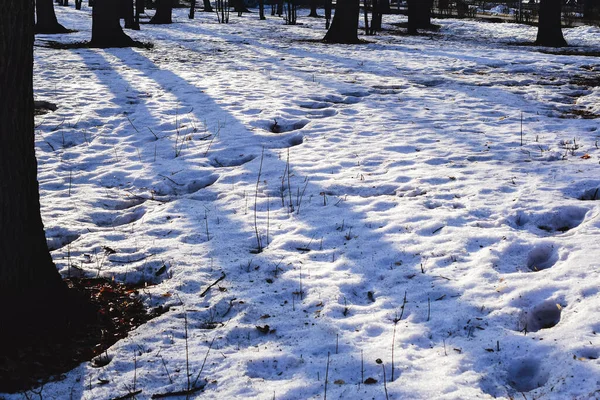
{"points": [[328, 7], [384, 6], [30, 286], [164, 11], [549, 25], [207, 6], [590, 9], [128, 14], [313, 9], [106, 28], [261, 10], [46, 18], [344, 26], [419, 15]]}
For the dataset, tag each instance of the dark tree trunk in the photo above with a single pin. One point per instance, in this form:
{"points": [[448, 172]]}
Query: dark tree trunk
{"points": [[207, 6], [384, 6], [313, 9], [46, 18], [261, 9], [549, 25], [590, 9], [164, 10], [128, 14], [280, 7], [106, 28], [239, 6], [328, 7], [344, 26], [30, 287], [192, 9], [419, 15]]}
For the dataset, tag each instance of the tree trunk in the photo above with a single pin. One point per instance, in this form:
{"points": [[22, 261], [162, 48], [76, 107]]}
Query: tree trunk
{"points": [[106, 28], [590, 9], [313, 9], [344, 26], [46, 18], [128, 14], [30, 286], [261, 10], [419, 15], [549, 25], [384, 6], [207, 6], [164, 10], [192, 9], [328, 6]]}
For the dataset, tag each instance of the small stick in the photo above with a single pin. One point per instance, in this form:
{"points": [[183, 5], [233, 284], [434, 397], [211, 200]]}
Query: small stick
{"points": [[384, 384], [166, 369], [288, 179], [204, 361], [213, 284], [259, 246], [362, 367], [326, 377], [428, 308], [206, 218], [187, 358], [337, 340], [521, 128]]}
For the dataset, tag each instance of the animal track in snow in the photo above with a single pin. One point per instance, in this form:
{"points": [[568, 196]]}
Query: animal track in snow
{"points": [[560, 219], [283, 126], [106, 220], [232, 162], [543, 316], [525, 375], [542, 256]]}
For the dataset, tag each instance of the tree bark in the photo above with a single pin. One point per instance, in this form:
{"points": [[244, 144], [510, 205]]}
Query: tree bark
{"points": [[106, 27], [207, 6], [164, 11], [261, 10], [46, 18], [419, 15], [30, 286], [344, 26], [549, 25], [313, 9]]}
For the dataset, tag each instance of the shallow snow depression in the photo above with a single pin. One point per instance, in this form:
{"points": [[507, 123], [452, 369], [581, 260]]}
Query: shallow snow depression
{"points": [[427, 208]]}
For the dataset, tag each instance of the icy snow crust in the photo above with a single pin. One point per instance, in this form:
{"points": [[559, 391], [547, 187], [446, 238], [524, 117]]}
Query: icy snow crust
{"points": [[407, 179]]}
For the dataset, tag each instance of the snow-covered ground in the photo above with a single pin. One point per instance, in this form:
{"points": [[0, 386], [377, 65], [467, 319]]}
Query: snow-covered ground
{"points": [[419, 201]]}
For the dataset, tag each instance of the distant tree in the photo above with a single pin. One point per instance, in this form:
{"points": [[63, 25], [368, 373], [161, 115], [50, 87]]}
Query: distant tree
{"points": [[164, 11], [32, 293], [207, 6], [549, 25], [328, 7], [344, 26], [591, 9], [106, 26], [313, 9], [261, 10], [419, 15], [46, 18]]}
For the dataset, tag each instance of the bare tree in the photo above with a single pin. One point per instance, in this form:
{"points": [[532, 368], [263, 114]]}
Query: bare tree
{"points": [[549, 25], [344, 26], [46, 21]]}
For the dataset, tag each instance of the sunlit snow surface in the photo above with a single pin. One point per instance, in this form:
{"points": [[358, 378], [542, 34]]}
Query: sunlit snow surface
{"points": [[410, 174]]}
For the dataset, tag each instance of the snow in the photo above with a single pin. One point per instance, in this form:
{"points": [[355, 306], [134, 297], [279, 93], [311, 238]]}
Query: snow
{"points": [[415, 196]]}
